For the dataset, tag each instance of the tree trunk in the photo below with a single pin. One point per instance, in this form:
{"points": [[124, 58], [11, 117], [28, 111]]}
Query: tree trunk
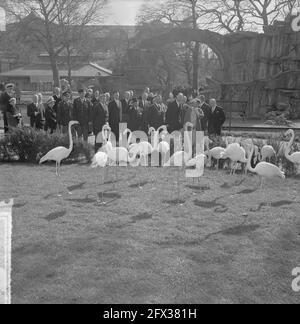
{"points": [[55, 71], [196, 66]]}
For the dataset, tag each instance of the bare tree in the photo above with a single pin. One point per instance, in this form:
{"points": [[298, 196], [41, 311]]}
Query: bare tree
{"points": [[52, 23]]}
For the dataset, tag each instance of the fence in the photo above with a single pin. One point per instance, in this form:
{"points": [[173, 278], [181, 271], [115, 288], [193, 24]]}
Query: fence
{"points": [[232, 107]]}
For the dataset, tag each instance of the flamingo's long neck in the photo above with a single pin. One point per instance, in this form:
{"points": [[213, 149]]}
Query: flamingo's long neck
{"points": [[289, 147], [70, 138]]}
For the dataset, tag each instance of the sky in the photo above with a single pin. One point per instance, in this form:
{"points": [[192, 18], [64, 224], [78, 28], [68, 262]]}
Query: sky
{"points": [[122, 12]]}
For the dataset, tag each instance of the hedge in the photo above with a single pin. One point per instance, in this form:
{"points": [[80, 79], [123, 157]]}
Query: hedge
{"points": [[29, 145]]}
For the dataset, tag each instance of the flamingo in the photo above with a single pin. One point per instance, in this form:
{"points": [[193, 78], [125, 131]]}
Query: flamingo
{"points": [[216, 153], [100, 160], [264, 169], [267, 152], [236, 154], [180, 159], [116, 155], [295, 157], [162, 147], [60, 153]]}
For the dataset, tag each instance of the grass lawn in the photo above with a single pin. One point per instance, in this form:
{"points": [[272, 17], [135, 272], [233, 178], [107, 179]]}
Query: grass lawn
{"points": [[224, 244]]}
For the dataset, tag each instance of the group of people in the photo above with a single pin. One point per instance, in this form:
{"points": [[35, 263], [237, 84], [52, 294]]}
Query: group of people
{"points": [[93, 110]]}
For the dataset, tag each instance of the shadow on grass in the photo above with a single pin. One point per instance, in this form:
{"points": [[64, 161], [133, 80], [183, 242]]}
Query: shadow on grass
{"points": [[141, 217], [77, 187], [53, 216], [246, 191], [273, 204], [136, 185], [237, 183], [174, 202], [85, 200], [19, 205], [198, 188], [239, 230]]}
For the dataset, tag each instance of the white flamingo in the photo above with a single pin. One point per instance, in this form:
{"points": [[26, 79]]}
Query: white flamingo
{"points": [[267, 152], [295, 157], [60, 153], [143, 148], [116, 155], [236, 154], [162, 147], [265, 170], [215, 153], [100, 160]]}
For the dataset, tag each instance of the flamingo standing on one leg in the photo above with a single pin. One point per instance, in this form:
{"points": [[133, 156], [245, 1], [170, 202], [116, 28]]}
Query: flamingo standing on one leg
{"points": [[295, 157], [264, 169], [60, 153]]}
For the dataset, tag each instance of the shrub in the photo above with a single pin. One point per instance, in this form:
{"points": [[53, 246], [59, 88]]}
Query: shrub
{"points": [[28, 145]]}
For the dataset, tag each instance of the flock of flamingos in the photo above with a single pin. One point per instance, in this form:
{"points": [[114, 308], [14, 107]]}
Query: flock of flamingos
{"points": [[245, 153]]}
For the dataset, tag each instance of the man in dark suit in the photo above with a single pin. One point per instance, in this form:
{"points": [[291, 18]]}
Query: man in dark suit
{"points": [[33, 110], [115, 114], [57, 98], [207, 113], [4, 103], [82, 112], [155, 114], [100, 118], [126, 107], [65, 112], [173, 114], [144, 105], [135, 116], [217, 119]]}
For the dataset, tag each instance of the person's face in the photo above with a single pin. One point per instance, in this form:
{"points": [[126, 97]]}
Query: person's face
{"points": [[127, 95], [107, 97], [147, 90], [40, 98], [116, 96], [213, 103], [10, 91], [35, 99], [82, 94], [57, 92], [97, 94], [180, 98]]}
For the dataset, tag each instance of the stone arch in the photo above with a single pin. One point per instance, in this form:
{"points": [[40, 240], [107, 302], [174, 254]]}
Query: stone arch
{"points": [[214, 40]]}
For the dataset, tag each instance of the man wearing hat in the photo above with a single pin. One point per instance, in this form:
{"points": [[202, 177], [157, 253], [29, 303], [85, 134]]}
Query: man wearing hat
{"points": [[51, 116], [4, 103], [82, 112], [115, 114], [100, 118], [64, 112], [135, 115], [155, 114]]}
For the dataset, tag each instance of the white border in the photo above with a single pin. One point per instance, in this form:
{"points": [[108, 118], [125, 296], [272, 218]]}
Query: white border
{"points": [[5, 269]]}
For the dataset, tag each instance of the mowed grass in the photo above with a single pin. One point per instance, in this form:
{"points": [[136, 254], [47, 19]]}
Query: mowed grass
{"points": [[223, 244]]}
